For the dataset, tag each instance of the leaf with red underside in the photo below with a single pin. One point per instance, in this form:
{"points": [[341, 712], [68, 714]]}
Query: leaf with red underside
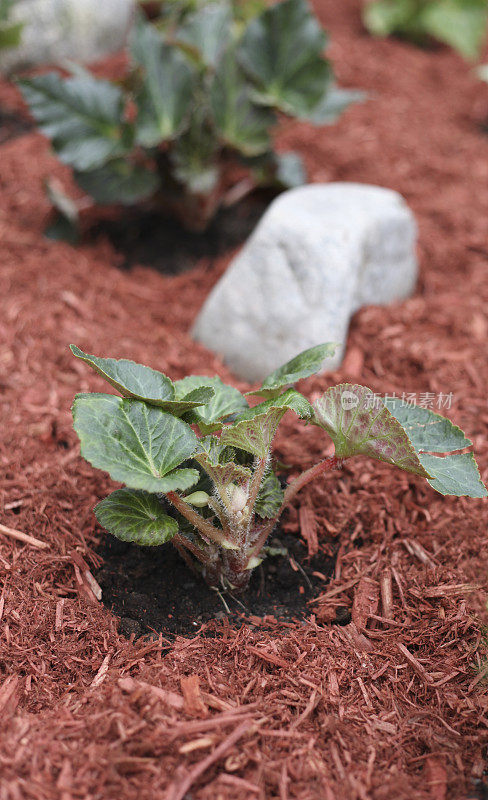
{"points": [[254, 430], [413, 438], [357, 426]]}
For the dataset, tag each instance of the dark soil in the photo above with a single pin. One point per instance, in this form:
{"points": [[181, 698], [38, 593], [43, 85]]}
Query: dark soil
{"points": [[12, 124], [151, 589], [161, 242]]}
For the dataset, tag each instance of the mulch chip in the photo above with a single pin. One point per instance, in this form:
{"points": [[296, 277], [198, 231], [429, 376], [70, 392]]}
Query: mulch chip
{"points": [[391, 704]]}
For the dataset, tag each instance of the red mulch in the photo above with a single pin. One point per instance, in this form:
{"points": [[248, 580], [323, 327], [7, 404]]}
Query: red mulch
{"points": [[390, 706]]}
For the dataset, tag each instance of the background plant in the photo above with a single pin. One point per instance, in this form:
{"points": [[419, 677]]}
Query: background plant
{"points": [[10, 32], [461, 24], [197, 460], [190, 128], [171, 12]]}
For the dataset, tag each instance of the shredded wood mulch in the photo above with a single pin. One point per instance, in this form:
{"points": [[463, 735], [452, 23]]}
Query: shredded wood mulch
{"points": [[394, 703]]}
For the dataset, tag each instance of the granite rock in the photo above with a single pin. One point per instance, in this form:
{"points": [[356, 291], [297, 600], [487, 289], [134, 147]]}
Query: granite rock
{"points": [[319, 254], [59, 30]]}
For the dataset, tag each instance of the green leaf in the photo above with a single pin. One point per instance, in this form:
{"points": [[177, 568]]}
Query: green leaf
{"points": [[207, 32], [281, 51], [459, 23], [454, 473], [6, 7], [82, 115], [135, 516], [255, 429], [276, 170], [384, 17], [428, 432], [301, 366], [136, 444], [226, 401], [245, 10], [167, 91], [358, 427], [270, 497], [119, 182], [194, 155], [211, 455], [143, 383], [10, 36], [197, 398], [401, 434], [239, 122], [334, 102], [130, 379], [291, 400]]}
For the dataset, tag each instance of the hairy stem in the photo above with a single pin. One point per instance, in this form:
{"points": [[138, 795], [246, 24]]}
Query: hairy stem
{"points": [[214, 505], [256, 481], [263, 535], [309, 475], [211, 569], [292, 490], [182, 543], [181, 548], [205, 527], [234, 570]]}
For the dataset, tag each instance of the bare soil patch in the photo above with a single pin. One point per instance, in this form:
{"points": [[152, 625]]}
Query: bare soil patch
{"points": [[152, 589]]}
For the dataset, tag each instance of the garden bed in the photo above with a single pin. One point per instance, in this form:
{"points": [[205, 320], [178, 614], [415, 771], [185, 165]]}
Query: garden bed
{"points": [[145, 238], [153, 591], [259, 707]]}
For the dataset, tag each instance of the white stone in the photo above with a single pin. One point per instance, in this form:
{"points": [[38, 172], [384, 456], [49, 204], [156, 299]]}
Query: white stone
{"points": [[57, 30], [319, 253]]}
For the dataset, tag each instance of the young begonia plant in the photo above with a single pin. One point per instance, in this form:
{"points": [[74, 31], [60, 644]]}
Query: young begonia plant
{"points": [[190, 128], [459, 23], [196, 462]]}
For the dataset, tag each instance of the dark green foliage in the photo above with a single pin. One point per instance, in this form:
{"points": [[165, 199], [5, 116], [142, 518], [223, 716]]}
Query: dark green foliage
{"points": [[196, 114], [216, 494], [459, 23]]}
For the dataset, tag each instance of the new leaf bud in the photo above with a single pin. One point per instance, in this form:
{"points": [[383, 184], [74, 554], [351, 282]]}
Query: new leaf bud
{"points": [[238, 498], [198, 499]]}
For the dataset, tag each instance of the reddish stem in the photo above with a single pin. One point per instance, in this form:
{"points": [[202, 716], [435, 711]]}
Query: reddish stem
{"points": [[205, 527], [309, 475], [181, 542], [265, 532], [210, 571], [256, 482]]}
